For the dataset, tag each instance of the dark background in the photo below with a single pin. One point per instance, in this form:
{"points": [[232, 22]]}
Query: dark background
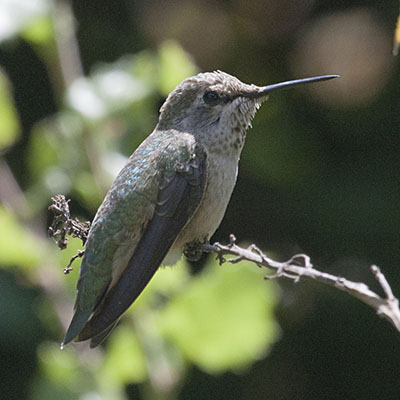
{"points": [[319, 174]]}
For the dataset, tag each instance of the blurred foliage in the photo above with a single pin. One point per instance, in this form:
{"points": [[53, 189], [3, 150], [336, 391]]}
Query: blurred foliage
{"points": [[396, 44], [221, 319], [20, 17], [242, 308], [18, 247], [324, 179], [9, 124]]}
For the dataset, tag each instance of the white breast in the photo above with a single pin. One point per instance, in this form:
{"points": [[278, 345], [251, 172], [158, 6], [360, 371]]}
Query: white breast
{"points": [[221, 179]]}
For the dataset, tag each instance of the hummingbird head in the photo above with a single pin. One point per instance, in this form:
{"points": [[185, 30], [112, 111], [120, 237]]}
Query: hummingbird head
{"points": [[216, 106], [207, 100]]}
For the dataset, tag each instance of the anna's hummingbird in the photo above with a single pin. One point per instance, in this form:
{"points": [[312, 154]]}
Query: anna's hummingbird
{"points": [[171, 194]]}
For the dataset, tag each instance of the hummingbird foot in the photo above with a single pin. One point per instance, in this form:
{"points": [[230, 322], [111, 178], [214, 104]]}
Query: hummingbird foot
{"points": [[193, 250]]}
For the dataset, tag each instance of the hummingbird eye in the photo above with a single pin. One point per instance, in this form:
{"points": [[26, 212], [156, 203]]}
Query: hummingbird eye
{"points": [[211, 98]]}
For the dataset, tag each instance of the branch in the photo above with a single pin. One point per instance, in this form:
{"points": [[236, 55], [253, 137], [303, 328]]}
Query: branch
{"points": [[300, 266], [63, 225]]}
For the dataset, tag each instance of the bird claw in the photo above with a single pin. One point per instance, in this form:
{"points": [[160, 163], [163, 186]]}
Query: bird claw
{"points": [[193, 250]]}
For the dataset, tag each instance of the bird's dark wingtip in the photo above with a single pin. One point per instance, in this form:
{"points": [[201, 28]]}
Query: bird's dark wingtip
{"points": [[78, 322], [101, 337]]}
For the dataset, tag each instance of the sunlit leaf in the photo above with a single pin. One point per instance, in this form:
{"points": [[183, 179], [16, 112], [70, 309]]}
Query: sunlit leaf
{"points": [[85, 186], [63, 375], [223, 320], [44, 148], [18, 247], [9, 123], [124, 362], [40, 31], [144, 65], [15, 15], [175, 66], [62, 367]]}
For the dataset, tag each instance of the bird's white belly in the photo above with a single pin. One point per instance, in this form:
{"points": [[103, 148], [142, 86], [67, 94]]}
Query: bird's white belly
{"points": [[221, 179]]}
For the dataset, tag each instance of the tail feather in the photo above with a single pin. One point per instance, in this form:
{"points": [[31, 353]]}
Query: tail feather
{"points": [[79, 320], [98, 339]]}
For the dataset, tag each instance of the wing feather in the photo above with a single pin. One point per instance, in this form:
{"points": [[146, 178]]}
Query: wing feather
{"points": [[103, 297], [176, 204]]}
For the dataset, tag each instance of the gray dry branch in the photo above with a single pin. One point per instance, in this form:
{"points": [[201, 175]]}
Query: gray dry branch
{"points": [[299, 266], [63, 225]]}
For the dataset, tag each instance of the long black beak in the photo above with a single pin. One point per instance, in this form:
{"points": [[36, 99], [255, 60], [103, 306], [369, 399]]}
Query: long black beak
{"points": [[265, 90]]}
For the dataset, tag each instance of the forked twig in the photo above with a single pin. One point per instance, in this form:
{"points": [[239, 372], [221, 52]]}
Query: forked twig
{"points": [[300, 266]]}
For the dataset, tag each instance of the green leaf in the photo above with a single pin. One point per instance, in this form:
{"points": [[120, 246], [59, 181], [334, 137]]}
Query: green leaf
{"points": [[72, 374], [16, 15], [62, 367], [44, 147], [223, 320], [144, 65], [9, 123], [18, 246], [124, 362], [175, 66], [63, 375], [86, 188], [40, 31]]}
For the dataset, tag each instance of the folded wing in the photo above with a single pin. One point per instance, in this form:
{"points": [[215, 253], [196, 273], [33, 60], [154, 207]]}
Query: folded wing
{"points": [[181, 190]]}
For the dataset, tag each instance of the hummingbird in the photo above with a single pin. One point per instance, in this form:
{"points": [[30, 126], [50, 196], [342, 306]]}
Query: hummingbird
{"points": [[169, 197]]}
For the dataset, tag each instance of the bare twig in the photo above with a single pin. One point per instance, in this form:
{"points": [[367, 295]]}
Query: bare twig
{"points": [[64, 225], [296, 267], [68, 268], [300, 266]]}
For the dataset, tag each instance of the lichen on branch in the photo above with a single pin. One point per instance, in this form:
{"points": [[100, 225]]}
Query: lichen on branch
{"points": [[63, 225]]}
